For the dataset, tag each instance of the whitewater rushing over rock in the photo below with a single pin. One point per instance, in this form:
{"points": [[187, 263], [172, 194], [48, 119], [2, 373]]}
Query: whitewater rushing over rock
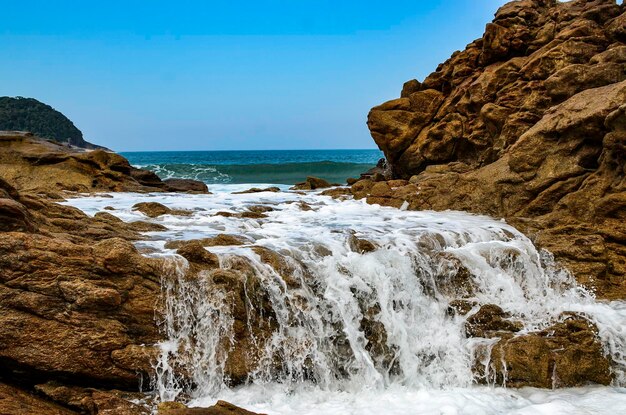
{"points": [[345, 297]]}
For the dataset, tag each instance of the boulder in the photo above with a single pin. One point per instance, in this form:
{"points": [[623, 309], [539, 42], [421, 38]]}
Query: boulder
{"points": [[36, 165], [156, 209], [488, 321], [566, 354], [185, 185], [312, 183], [146, 177], [152, 209]]}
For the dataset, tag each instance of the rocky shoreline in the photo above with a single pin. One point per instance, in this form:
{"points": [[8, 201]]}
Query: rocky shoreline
{"points": [[78, 301], [528, 124]]}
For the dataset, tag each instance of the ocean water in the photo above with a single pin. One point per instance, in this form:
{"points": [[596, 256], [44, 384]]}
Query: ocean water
{"points": [[327, 367], [266, 166]]}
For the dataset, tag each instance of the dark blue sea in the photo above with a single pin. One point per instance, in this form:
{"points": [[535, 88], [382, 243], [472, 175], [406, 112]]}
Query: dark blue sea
{"points": [[265, 166]]}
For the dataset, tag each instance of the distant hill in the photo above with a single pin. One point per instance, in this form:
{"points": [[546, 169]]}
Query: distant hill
{"points": [[28, 114]]}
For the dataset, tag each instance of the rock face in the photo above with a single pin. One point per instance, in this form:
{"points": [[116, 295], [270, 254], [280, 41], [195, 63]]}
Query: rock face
{"points": [[77, 300], [34, 165], [527, 123], [77, 306]]}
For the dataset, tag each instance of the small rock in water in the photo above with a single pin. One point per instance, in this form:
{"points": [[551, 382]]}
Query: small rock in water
{"points": [[156, 209], [490, 320], [252, 215], [260, 208], [337, 192], [361, 246], [220, 408], [141, 226], [194, 252], [312, 183], [152, 209], [186, 185], [272, 189], [218, 240], [566, 354]]}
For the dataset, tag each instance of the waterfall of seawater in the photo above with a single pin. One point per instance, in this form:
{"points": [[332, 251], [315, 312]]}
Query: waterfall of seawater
{"points": [[401, 291], [347, 318]]}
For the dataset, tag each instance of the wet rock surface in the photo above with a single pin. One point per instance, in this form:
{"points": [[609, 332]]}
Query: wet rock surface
{"points": [[526, 123], [156, 209], [272, 189], [220, 408], [566, 354], [77, 306], [312, 183], [185, 185]]}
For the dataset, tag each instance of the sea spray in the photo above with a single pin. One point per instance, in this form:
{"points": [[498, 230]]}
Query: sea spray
{"points": [[350, 321]]}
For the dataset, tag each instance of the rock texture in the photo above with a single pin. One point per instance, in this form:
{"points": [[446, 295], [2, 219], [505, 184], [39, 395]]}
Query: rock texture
{"points": [[312, 183], [185, 185], [77, 306], [220, 408], [34, 165], [566, 354], [527, 123], [77, 300]]}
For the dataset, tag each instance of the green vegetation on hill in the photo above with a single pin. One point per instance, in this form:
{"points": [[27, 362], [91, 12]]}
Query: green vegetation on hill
{"points": [[28, 114]]}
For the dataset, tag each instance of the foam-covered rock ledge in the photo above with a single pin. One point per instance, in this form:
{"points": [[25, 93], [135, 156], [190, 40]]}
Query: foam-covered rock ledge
{"points": [[527, 123]]}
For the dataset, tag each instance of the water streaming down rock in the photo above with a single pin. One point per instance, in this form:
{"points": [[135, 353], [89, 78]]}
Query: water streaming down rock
{"points": [[323, 311]]}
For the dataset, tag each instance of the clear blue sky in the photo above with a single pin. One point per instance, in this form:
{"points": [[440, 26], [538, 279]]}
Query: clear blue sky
{"points": [[217, 75]]}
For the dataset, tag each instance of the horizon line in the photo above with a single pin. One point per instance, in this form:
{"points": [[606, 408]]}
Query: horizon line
{"points": [[285, 149]]}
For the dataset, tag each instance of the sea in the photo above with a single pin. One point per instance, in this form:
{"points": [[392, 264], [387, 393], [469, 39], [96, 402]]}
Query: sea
{"points": [[318, 360], [256, 166]]}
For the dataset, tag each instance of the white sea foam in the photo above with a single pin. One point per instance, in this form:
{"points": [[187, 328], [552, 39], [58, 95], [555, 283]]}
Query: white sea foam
{"points": [[326, 364]]}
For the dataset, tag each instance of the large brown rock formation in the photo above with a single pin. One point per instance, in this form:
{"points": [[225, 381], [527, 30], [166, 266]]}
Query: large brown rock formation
{"points": [[32, 164], [527, 123]]}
